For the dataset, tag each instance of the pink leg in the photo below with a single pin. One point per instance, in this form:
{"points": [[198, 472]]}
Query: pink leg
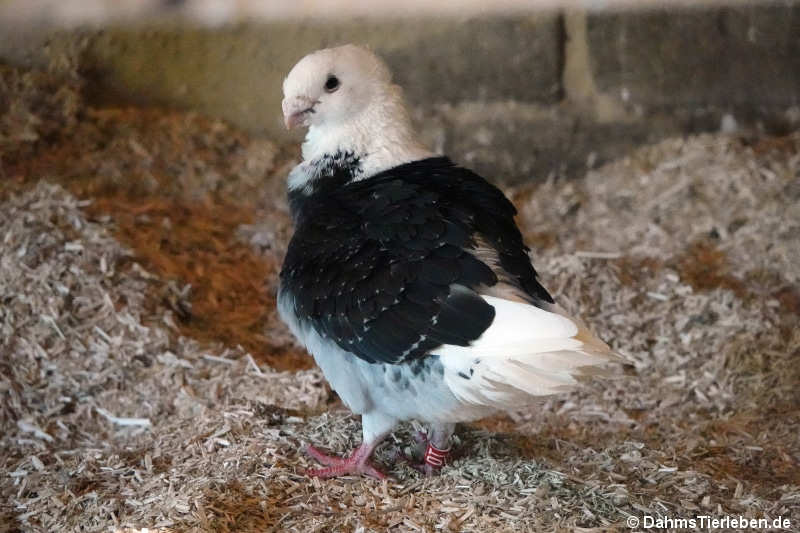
{"points": [[357, 463], [433, 456]]}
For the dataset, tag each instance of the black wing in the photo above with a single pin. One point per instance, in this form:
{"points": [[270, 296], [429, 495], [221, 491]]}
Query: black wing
{"points": [[385, 266]]}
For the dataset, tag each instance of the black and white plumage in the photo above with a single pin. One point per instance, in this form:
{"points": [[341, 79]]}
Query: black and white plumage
{"points": [[407, 277]]}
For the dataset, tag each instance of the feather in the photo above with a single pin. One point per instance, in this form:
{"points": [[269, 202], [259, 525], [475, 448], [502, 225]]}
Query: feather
{"points": [[526, 352]]}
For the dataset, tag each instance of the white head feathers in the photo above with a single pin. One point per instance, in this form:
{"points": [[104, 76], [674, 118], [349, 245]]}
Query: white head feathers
{"points": [[346, 97]]}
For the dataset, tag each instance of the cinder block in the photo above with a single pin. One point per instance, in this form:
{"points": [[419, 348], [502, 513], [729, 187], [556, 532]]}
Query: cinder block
{"points": [[736, 57], [515, 143], [483, 59], [236, 72]]}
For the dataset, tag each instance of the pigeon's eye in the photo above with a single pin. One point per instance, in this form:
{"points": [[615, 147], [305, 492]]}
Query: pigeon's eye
{"points": [[332, 84]]}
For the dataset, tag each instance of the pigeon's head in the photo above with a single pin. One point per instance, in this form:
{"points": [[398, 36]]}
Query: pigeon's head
{"points": [[346, 98], [333, 86]]}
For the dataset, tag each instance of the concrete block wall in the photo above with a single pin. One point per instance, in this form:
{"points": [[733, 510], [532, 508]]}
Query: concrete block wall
{"points": [[720, 57], [516, 97]]}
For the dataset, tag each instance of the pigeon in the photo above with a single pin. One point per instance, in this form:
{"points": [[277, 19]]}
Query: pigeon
{"points": [[407, 277]]}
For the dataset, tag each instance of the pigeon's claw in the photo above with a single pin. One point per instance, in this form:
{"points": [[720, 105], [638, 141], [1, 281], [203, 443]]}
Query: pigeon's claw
{"points": [[433, 458], [322, 457], [424, 468], [357, 463]]}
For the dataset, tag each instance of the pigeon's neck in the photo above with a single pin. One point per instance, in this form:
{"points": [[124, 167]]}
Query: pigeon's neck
{"points": [[379, 137]]}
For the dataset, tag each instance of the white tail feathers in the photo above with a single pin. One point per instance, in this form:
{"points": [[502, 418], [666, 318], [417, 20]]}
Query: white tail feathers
{"points": [[526, 352]]}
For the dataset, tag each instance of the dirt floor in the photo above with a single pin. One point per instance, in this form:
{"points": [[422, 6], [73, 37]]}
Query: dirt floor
{"points": [[146, 381]]}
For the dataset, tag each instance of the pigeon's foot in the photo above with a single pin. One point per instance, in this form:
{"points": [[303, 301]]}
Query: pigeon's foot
{"points": [[357, 463], [433, 458]]}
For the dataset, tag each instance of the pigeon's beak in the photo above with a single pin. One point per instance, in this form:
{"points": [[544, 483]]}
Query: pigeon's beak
{"points": [[296, 111]]}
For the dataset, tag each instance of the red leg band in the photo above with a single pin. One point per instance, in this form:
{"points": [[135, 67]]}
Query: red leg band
{"points": [[434, 456]]}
